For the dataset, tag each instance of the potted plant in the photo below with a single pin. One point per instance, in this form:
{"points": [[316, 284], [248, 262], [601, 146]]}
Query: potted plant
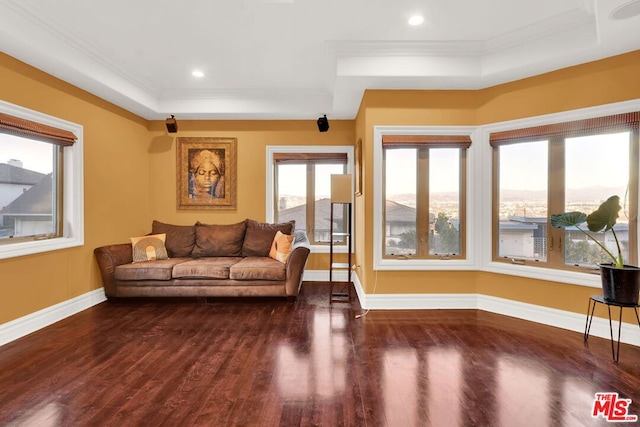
{"points": [[620, 282]]}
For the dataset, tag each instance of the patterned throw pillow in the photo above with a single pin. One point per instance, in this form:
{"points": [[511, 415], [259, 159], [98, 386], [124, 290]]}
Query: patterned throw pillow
{"points": [[149, 248], [281, 246]]}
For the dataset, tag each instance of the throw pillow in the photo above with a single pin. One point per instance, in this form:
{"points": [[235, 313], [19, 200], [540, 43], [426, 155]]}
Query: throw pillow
{"points": [[149, 248], [260, 235], [219, 240], [180, 238], [281, 246]]}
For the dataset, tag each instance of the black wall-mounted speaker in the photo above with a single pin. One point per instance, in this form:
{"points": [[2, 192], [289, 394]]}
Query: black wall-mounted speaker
{"points": [[172, 124], [323, 124]]}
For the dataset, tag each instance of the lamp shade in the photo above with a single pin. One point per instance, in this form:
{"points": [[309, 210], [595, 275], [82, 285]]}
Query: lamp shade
{"points": [[341, 188]]}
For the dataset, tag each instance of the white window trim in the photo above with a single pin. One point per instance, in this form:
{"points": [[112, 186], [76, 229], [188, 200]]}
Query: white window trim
{"points": [[485, 177], [73, 202], [473, 201], [272, 149]]}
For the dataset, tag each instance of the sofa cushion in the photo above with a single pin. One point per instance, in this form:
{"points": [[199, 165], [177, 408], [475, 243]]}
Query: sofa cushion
{"points": [[205, 268], [260, 235], [180, 238], [150, 270], [214, 240], [281, 246], [258, 268], [149, 248]]}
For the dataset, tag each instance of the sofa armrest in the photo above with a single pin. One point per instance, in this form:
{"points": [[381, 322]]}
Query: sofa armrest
{"points": [[109, 257], [296, 263]]}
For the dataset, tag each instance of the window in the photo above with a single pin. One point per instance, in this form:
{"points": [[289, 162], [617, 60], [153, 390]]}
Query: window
{"points": [[571, 166], [301, 188], [40, 201], [523, 169], [424, 177]]}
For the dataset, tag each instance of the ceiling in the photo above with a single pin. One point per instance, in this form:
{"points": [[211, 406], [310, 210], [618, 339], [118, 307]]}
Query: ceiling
{"points": [[299, 59]]}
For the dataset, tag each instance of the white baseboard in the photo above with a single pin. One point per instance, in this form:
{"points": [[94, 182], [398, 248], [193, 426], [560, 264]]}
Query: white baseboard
{"points": [[40, 319], [323, 276], [630, 333], [358, 285], [420, 301], [315, 276], [33, 322], [544, 315]]}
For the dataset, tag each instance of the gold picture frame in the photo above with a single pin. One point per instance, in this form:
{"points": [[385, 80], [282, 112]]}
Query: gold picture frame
{"points": [[358, 167], [206, 172]]}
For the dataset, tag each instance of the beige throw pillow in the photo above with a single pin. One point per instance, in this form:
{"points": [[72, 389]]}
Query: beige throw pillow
{"points": [[149, 248], [281, 246]]}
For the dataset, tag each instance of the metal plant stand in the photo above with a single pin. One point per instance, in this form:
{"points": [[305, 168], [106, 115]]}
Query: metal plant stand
{"points": [[599, 299]]}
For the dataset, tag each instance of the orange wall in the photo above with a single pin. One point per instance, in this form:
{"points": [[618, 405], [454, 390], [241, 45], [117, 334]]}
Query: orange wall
{"points": [[361, 220], [116, 185], [130, 171], [253, 139], [610, 80]]}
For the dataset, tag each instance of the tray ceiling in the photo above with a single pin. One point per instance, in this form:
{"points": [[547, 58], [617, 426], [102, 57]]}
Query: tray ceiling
{"points": [[298, 59]]}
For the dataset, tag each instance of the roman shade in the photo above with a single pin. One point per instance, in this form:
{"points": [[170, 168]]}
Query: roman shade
{"points": [[429, 141], [306, 158], [598, 125], [33, 130]]}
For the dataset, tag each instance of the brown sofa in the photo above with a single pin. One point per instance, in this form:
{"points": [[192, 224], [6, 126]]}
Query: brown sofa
{"points": [[207, 260]]}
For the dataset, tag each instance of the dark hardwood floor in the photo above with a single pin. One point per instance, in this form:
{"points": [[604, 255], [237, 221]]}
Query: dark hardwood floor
{"points": [[273, 362]]}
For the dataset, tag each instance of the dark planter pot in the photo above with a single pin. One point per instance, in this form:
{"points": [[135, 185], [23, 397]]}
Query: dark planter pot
{"points": [[620, 285]]}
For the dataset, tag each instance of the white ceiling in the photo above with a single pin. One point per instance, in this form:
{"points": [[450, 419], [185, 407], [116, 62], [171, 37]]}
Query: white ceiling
{"points": [[298, 59]]}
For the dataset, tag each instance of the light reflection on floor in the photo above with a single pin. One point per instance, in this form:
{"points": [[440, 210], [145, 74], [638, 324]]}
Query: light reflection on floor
{"points": [[522, 393], [444, 377], [320, 372], [316, 364], [431, 384], [43, 415]]}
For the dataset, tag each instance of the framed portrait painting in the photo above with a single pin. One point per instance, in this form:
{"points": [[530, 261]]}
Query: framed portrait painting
{"points": [[206, 173]]}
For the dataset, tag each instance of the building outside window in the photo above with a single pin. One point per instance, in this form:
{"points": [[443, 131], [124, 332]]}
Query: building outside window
{"points": [[29, 202], [302, 190], [557, 168]]}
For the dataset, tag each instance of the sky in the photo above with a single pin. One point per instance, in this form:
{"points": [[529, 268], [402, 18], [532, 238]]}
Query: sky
{"points": [[589, 161], [35, 156], [444, 171], [292, 179], [587, 164]]}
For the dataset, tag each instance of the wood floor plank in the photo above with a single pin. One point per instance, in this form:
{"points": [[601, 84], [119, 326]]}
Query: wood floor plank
{"points": [[273, 362]]}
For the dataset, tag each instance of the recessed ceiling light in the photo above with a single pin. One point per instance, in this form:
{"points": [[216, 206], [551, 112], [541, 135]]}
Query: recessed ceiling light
{"points": [[416, 20], [626, 10], [197, 73]]}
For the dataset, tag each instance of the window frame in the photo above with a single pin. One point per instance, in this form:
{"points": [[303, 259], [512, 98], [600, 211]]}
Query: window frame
{"points": [[470, 200], [423, 160], [487, 233], [271, 183], [557, 192], [72, 189]]}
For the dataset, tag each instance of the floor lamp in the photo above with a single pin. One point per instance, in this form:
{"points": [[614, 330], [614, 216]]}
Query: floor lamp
{"points": [[341, 193]]}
